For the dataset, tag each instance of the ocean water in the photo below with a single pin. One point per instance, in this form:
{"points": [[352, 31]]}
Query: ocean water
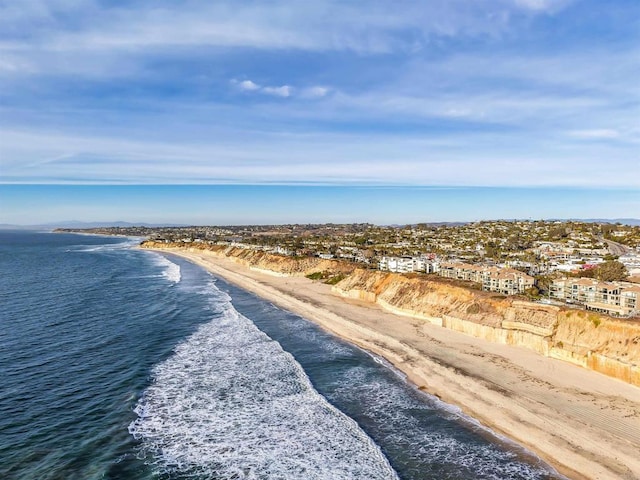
{"points": [[118, 363]]}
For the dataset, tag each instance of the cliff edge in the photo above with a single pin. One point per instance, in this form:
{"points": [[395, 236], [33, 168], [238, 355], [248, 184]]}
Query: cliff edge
{"points": [[594, 341]]}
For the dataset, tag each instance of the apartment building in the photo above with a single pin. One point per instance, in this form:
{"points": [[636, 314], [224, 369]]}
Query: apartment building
{"points": [[611, 298], [408, 265], [493, 279]]}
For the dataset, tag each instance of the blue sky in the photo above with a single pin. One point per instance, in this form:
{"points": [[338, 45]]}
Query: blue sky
{"points": [[510, 94]]}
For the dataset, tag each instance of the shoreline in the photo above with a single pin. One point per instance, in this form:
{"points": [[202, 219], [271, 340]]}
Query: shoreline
{"points": [[584, 424]]}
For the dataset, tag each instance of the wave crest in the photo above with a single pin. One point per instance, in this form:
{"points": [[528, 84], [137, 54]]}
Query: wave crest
{"points": [[171, 270], [232, 403]]}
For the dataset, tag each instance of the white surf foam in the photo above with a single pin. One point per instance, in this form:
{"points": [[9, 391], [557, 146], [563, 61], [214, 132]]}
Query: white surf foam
{"points": [[230, 403], [171, 271], [109, 247], [89, 249]]}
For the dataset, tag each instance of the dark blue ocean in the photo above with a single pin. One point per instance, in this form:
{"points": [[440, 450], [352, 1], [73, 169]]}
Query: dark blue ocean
{"points": [[118, 363]]}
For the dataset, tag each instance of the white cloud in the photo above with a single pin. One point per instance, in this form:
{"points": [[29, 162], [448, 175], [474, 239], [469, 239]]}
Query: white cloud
{"points": [[595, 134], [427, 83], [283, 91], [315, 92], [374, 26], [248, 85], [9, 66], [543, 5]]}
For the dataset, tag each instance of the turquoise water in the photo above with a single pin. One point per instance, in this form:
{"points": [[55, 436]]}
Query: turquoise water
{"points": [[124, 364]]}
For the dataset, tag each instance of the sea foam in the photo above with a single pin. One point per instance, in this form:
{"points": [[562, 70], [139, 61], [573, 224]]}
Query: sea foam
{"points": [[231, 403], [107, 247], [171, 271]]}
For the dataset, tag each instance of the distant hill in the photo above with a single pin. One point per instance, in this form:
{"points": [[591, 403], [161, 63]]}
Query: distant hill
{"points": [[624, 221]]}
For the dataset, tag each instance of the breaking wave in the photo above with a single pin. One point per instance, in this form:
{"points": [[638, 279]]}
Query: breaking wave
{"points": [[231, 403], [106, 247], [171, 271]]}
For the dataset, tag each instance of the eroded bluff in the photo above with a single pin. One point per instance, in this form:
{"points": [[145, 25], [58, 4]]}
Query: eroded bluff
{"points": [[604, 344]]}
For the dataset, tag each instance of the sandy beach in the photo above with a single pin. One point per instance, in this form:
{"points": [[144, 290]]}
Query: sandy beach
{"points": [[585, 424]]}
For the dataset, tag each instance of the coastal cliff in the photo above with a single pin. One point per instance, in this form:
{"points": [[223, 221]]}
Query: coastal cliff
{"points": [[597, 342], [593, 341], [277, 265]]}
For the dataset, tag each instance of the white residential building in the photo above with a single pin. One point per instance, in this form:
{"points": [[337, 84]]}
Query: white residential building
{"points": [[408, 264]]}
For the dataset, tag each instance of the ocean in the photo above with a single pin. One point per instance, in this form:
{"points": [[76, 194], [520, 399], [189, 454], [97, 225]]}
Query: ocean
{"points": [[119, 363]]}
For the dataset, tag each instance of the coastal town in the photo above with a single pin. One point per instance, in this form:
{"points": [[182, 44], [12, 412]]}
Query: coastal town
{"points": [[324, 240], [590, 265]]}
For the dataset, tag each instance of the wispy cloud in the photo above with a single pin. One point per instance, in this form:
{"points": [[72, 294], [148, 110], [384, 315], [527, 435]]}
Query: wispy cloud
{"points": [[460, 92], [321, 158], [371, 27], [543, 5], [596, 134], [315, 92], [283, 91], [250, 86]]}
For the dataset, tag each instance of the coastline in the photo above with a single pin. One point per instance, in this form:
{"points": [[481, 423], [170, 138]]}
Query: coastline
{"points": [[583, 423]]}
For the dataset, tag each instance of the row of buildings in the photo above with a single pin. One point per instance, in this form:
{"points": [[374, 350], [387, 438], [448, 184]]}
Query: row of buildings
{"points": [[611, 298], [422, 264], [507, 281]]}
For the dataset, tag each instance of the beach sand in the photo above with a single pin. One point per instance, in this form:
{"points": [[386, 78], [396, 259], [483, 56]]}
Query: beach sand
{"points": [[585, 424]]}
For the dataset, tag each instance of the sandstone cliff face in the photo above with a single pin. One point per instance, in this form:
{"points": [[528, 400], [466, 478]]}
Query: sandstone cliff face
{"points": [[286, 265], [601, 343], [267, 262], [591, 340], [594, 341]]}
